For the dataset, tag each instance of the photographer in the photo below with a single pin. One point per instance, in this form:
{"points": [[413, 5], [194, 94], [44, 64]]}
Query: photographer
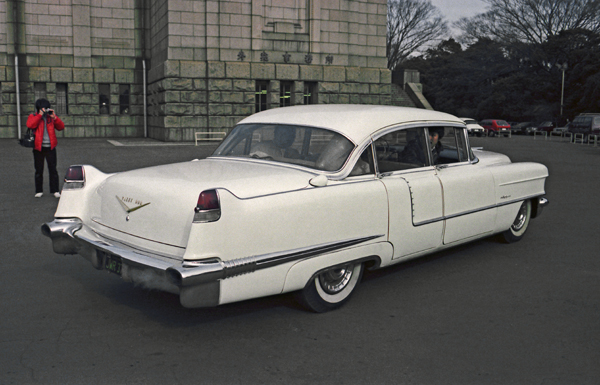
{"points": [[44, 123]]}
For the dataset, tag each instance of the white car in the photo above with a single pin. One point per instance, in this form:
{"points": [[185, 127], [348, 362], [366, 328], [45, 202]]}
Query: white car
{"points": [[473, 128], [297, 199]]}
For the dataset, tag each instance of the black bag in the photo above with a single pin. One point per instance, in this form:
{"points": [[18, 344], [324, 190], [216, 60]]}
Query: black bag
{"points": [[28, 139]]}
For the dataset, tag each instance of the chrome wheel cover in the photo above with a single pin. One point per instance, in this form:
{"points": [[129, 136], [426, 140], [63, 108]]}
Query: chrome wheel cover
{"points": [[521, 218], [335, 280]]}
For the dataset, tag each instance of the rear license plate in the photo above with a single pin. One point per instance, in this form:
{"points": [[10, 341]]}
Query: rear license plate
{"points": [[112, 264]]}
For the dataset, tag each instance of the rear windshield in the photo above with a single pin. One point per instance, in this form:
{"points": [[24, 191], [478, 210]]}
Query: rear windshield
{"points": [[582, 121], [311, 147], [502, 123]]}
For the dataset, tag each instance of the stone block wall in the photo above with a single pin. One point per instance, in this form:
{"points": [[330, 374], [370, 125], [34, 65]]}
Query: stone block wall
{"points": [[182, 103], [204, 59]]}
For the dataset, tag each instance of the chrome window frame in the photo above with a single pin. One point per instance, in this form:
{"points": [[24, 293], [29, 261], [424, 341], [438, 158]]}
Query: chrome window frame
{"points": [[472, 159]]}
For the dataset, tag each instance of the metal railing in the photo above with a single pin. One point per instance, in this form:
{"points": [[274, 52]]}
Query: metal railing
{"points": [[211, 136]]}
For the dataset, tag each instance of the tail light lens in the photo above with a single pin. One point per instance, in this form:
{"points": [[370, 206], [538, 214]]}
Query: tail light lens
{"points": [[74, 178], [208, 208]]}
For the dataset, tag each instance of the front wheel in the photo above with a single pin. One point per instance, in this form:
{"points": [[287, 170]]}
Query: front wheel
{"points": [[520, 224], [332, 288]]}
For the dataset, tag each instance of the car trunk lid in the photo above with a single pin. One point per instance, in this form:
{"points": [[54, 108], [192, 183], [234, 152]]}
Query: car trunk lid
{"points": [[156, 204]]}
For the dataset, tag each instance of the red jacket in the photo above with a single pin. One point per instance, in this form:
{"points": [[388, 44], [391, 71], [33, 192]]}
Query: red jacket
{"points": [[36, 123]]}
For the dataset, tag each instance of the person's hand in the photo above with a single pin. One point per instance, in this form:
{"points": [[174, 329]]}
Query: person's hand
{"points": [[42, 111], [51, 113]]}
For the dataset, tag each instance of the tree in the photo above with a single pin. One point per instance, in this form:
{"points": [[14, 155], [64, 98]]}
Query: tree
{"points": [[411, 25], [530, 21]]}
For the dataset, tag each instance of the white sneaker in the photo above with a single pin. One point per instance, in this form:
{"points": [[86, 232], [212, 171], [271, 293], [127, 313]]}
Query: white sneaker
{"points": [[39, 195], [56, 195]]}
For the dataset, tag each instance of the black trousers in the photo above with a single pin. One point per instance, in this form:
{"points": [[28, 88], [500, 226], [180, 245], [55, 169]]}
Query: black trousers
{"points": [[38, 162]]}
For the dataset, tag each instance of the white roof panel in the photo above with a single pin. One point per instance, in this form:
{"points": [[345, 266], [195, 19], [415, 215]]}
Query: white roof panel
{"points": [[356, 121]]}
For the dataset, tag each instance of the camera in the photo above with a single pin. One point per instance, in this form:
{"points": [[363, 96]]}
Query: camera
{"points": [[49, 111]]}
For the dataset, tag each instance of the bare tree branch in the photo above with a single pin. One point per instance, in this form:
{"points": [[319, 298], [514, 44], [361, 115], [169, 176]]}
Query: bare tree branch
{"points": [[530, 21], [411, 24]]}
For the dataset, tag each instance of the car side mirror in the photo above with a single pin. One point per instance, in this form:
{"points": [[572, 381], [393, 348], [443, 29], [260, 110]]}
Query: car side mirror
{"points": [[319, 181]]}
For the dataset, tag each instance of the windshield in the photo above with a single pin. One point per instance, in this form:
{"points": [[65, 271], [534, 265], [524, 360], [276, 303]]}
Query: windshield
{"points": [[470, 121], [304, 146]]}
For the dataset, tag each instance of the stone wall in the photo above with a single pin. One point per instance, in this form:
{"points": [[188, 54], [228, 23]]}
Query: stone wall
{"points": [[203, 60], [181, 103]]}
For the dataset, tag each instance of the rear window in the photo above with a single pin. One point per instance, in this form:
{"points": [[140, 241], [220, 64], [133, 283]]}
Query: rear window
{"points": [[502, 123], [582, 121], [311, 147]]}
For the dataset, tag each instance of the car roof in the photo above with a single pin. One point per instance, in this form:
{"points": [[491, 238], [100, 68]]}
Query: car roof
{"points": [[355, 121]]}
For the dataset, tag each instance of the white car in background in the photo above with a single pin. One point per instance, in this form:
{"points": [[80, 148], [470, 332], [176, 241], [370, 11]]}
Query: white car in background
{"points": [[297, 199], [473, 128]]}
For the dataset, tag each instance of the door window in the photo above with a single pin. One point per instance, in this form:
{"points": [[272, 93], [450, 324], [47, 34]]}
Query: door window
{"points": [[451, 146], [401, 150]]}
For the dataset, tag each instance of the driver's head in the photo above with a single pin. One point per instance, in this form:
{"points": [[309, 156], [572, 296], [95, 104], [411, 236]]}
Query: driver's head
{"points": [[435, 134], [284, 136]]}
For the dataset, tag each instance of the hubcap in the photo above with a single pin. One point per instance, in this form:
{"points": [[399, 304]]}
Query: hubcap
{"points": [[521, 218], [335, 280]]}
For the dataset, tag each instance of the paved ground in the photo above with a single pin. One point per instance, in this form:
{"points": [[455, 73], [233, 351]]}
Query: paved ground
{"points": [[484, 313]]}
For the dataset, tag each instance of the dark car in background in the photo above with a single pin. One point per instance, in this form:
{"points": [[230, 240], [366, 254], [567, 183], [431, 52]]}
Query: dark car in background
{"points": [[546, 126], [586, 124], [523, 128], [495, 127]]}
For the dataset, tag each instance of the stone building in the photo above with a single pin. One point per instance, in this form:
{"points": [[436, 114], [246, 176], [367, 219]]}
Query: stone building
{"points": [[197, 65]]}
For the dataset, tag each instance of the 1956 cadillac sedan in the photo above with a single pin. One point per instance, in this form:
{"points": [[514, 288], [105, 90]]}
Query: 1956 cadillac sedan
{"points": [[297, 199]]}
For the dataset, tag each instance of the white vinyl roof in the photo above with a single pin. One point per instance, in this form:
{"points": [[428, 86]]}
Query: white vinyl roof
{"points": [[356, 121]]}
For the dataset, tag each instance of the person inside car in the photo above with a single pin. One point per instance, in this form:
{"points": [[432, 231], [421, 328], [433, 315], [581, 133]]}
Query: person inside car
{"points": [[414, 152]]}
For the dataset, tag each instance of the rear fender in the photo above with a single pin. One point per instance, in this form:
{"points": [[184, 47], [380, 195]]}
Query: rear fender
{"points": [[75, 203], [303, 271]]}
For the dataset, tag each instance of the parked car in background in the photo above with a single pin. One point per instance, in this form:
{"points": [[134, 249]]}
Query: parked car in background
{"points": [[297, 199], [565, 128], [473, 128], [495, 127], [546, 126], [586, 124], [523, 128]]}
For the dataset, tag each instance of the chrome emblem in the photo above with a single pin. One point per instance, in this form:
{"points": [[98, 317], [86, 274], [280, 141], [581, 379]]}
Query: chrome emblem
{"points": [[124, 203]]}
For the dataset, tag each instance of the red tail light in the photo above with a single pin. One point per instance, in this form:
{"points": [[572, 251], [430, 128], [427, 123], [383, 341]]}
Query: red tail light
{"points": [[208, 208], [74, 178]]}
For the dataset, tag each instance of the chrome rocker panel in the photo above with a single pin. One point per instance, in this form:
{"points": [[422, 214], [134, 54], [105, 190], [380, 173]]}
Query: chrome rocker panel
{"points": [[196, 282]]}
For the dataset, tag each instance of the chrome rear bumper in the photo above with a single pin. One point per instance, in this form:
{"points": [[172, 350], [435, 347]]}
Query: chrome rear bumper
{"points": [[198, 283], [71, 236]]}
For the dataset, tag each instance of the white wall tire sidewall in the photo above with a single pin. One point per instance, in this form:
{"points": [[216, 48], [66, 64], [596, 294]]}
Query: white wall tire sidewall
{"points": [[523, 228], [342, 295]]}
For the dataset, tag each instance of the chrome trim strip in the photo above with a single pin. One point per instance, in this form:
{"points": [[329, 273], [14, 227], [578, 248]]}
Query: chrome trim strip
{"points": [[445, 217], [196, 272], [522, 181], [97, 220], [130, 255]]}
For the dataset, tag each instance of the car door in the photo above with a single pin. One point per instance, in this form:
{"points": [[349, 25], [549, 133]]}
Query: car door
{"points": [[468, 189], [414, 191]]}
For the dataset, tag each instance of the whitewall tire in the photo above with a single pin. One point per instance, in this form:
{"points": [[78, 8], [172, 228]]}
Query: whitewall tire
{"points": [[332, 288], [520, 224]]}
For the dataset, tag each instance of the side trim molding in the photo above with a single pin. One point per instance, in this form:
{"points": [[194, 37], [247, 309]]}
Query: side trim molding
{"points": [[192, 273]]}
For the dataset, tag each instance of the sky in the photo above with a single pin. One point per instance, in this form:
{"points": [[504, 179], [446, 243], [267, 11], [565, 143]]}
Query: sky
{"points": [[455, 9]]}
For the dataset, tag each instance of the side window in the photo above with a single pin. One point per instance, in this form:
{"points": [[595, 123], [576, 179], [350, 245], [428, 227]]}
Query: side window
{"points": [[401, 150], [452, 147], [364, 164]]}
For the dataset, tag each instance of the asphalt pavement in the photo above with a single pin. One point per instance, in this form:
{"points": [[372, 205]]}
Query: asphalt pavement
{"points": [[481, 313]]}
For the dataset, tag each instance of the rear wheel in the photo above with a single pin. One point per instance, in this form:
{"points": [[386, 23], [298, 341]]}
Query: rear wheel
{"points": [[332, 288], [520, 224]]}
